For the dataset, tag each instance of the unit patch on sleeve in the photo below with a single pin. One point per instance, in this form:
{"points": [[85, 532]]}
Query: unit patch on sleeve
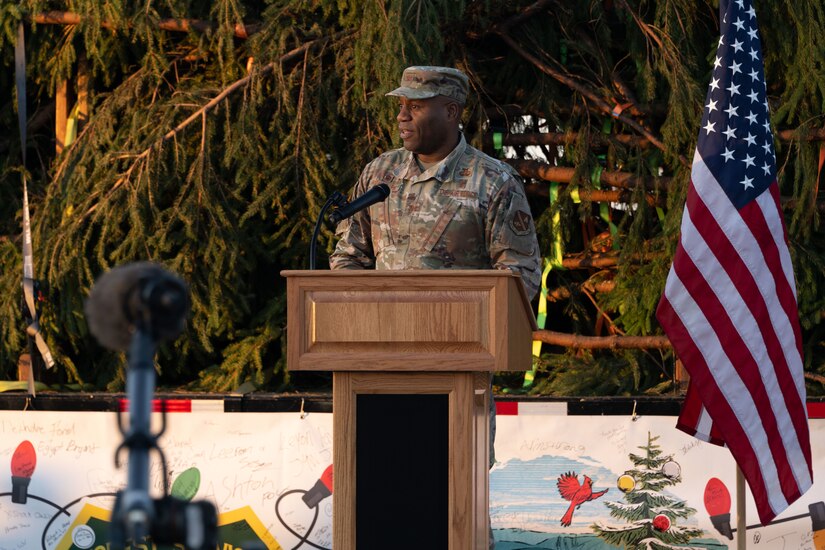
{"points": [[520, 223]]}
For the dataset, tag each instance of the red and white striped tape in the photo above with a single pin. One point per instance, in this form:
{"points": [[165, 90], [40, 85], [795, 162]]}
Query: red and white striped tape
{"points": [[180, 405]]}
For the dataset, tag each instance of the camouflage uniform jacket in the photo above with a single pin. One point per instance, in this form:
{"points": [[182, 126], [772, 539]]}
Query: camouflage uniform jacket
{"points": [[468, 211]]}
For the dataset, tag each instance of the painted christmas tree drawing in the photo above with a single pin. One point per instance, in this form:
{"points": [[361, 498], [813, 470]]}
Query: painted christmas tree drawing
{"points": [[651, 516]]}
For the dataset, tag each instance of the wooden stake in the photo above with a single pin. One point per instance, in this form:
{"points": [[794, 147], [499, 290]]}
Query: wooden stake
{"points": [[681, 376], [25, 371], [741, 527], [61, 115], [240, 30]]}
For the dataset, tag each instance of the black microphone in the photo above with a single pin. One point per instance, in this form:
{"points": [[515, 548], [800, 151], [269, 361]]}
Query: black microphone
{"points": [[375, 194], [137, 295]]}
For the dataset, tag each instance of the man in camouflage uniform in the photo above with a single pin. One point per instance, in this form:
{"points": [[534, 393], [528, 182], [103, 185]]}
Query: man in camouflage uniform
{"points": [[450, 205]]}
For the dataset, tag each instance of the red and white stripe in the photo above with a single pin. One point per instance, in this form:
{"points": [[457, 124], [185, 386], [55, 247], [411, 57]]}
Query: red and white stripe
{"points": [[521, 408], [816, 410], [729, 307], [180, 405]]}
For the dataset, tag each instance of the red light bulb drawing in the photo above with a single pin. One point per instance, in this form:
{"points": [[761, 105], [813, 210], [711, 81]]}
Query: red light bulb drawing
{"points": [[717, 503], [321, 490], [23, 462]]}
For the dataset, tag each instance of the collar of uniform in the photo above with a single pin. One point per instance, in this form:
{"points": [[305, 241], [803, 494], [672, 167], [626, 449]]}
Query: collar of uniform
{"points": [[441, 171]]}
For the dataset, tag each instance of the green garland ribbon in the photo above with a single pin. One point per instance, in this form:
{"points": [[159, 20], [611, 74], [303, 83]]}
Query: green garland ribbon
{"points": [[498, 141], [554, 261], [604, 208]]}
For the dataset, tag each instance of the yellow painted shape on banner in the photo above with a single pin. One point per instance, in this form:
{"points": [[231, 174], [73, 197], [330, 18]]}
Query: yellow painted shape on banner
{"points": [[87, 514], [248, 515], [90, 529]]}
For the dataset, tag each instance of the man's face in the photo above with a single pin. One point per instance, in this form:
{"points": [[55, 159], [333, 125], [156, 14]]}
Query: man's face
{"points": [[428, 126]]}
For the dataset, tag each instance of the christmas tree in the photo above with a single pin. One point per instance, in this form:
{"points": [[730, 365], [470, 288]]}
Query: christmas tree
{"points": [[207, 135], [649, 512]]}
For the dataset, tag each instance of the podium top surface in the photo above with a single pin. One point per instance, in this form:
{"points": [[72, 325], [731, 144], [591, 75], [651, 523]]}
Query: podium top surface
{"points": [[446, 319], [400, 272]]}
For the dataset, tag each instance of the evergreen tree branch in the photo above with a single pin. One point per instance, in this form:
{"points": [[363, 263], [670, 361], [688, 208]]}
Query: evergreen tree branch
{"points": [[597, 140], [586, 262], [608, 259], [240, 30], [793, 135], [624, 180], [567, 107], [623, 196], [564, 174], [647, 30], [299, 119], [578, 341], [200, 113], [613, 328], [562, 293], [524, 15], [791, 203], [286, 58], [588, 94], [631, 104], [815, 377]]}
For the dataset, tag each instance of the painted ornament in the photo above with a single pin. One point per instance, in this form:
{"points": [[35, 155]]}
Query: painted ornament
{"points": [[626, 483], [671, 469], [661, 523]]}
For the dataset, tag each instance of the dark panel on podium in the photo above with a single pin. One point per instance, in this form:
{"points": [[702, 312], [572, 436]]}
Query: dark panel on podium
{"points": [[401, 479]]}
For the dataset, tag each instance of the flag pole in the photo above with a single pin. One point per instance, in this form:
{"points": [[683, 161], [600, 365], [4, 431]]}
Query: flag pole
{"points": [[741, 529]]}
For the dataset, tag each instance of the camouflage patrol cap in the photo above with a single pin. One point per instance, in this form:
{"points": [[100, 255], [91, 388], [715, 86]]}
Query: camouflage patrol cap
{"points": [[426, 82]]}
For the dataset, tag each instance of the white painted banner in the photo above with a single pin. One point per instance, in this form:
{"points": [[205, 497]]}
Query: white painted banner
{"points": [[560, 481], [255, 467], [630, 464]]}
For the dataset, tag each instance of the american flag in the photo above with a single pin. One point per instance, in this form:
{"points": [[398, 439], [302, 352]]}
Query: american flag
{"points": [[729, 305]]}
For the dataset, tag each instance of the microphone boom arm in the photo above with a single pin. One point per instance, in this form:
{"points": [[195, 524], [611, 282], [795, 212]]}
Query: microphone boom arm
{"points": [[134, 513], [135, 307], [336, 199]]}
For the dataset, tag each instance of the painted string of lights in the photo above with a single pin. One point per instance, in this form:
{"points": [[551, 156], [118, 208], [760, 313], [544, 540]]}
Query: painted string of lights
{"points": [[312, 498], [184, 488], [718, 503]]}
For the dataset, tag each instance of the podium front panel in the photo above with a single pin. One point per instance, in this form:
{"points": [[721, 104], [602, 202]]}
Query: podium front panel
{"points": [[460, 475]]}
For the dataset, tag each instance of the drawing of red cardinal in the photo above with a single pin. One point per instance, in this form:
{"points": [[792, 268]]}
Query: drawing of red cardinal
{"points": [[577, 494]]}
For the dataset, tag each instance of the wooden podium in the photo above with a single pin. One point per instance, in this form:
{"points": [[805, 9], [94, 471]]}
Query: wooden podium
{"points": [[411, 354]]}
